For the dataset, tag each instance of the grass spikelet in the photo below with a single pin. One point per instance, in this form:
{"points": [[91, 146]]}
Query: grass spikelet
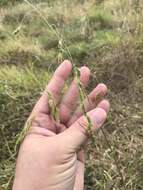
{"points": [[24, 132], [53, 109]]}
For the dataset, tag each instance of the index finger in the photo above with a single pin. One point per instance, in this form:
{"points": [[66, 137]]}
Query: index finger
{"points": [[54, 87]]}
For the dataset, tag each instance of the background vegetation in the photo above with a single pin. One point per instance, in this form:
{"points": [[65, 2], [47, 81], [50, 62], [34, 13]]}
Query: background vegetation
{"points": [[106, 35]]}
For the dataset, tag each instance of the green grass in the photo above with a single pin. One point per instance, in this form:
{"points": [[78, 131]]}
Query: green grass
{"points": [[100, 19], [107, 37]]}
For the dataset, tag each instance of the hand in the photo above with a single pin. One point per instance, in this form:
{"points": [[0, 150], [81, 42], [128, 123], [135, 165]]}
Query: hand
{"points": [[50, 157]]}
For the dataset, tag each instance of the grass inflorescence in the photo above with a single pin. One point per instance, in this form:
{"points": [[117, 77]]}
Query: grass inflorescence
{"points": [[24, 132]]}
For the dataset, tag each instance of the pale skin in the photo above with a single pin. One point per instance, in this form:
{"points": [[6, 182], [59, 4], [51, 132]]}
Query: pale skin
{"points": [[51, 156]]}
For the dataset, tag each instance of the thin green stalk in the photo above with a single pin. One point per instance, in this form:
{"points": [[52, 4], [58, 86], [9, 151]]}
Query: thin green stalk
{"points": [[52, 28]]}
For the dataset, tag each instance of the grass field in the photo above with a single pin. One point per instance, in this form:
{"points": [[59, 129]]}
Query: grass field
{"points": [[105, 35]]}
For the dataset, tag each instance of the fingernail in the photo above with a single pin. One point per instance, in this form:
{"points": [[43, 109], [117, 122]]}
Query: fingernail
{"points": [[99, 116]]}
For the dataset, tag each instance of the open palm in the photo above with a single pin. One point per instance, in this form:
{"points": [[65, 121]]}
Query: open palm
{"points": [[51, 158]]}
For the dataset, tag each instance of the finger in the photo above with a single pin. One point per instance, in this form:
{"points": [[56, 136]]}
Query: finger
{"points": [[90, 103], [54, 87], [75, 136], [69, 101], [105, 105]]}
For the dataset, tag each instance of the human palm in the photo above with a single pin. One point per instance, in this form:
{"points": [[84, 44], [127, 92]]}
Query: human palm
{"points": [[50, 157]]}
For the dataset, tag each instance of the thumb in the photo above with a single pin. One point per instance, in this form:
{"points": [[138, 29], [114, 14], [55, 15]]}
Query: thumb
{"points": [[75, 136]]}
